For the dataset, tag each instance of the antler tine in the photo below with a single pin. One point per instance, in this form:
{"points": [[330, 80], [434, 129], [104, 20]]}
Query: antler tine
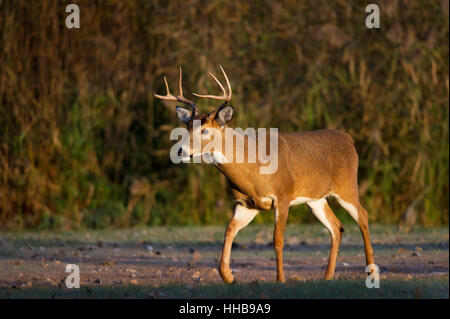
{"points": [[180, 98], [226, 79], [220, 84], [180, 83], [226, 96], [164, 97]]}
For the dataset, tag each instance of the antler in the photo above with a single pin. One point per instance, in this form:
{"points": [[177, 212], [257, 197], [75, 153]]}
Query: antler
{"points": [[180, 97], [226, 96]]}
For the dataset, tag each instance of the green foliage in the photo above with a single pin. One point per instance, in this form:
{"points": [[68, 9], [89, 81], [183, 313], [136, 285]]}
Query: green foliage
{"points": [[421, 288], [84, 144]]}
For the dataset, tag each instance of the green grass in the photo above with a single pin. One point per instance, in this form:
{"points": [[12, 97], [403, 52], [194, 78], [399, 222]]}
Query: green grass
{"points": [[208, 234], [416, 288]]}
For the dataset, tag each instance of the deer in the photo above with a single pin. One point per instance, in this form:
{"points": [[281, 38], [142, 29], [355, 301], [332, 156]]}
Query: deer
{"points": [[313, 166]]}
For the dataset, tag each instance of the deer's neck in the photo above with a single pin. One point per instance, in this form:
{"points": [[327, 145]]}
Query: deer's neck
{"points": [[237, 172]]}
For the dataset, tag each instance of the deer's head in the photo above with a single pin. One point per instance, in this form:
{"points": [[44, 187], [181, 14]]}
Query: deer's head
{"points": [[203, 126]]}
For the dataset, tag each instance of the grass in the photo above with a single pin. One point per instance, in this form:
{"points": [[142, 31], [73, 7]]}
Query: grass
{"points": [[206, 235], [341, 289]]}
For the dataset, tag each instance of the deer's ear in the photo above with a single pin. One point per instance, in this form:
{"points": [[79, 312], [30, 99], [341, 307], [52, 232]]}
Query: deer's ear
{"points": [[224, 114], [183, 114]]}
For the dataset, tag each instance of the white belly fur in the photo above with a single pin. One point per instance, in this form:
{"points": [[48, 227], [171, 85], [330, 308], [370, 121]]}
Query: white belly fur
{"points": [[300, 200]]}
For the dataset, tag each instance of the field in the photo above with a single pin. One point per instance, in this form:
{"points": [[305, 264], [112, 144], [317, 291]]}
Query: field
{"points": [[85, 170], [181, 262]]}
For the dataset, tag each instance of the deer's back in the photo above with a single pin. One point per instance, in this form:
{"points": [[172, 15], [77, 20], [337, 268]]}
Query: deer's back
{"points": [[317, 160]]}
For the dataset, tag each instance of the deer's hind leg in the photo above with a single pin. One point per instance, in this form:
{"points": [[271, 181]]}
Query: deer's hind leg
{"points": [[350, 202], [325, 215]]}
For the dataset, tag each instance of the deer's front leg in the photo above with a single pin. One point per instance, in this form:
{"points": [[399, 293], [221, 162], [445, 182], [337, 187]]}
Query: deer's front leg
{"points": [[242, 217], [281, 215]]}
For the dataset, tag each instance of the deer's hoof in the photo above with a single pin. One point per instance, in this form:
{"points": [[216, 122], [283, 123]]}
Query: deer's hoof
{"points": [[227, 276], [329, 275]]}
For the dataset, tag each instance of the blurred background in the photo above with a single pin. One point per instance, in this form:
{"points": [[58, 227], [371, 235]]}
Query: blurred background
{"points": [[83, 143]]}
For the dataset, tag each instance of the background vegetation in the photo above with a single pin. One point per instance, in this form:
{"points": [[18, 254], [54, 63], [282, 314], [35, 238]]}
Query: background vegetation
{"points": [[84, 144]]}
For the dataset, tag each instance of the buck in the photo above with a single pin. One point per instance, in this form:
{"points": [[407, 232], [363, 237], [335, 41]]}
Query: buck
{"points": [[312, 166]]}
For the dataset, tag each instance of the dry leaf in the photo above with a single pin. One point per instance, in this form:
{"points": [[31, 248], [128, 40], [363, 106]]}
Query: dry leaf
{"points": [[108, 263]]}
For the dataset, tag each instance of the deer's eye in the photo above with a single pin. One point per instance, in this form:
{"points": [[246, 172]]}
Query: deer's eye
{"points": [[205, 132]]}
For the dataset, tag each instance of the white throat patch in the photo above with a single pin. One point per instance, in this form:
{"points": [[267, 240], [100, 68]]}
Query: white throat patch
{"points": [[214, 157]]}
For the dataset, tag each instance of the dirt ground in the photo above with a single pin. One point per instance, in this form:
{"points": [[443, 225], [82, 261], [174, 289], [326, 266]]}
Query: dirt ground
{"points": [[155, 257]]}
